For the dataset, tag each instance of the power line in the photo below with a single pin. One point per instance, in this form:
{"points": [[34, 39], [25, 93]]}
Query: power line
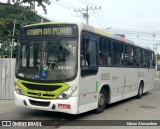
{"points": [[99, 23], [91, 23], [86, 2], [68, 6], [103, 19], [71, 5], [80, 17], [100, 18], [63, 5], [131, 31], [139, 39], [136, 34]]}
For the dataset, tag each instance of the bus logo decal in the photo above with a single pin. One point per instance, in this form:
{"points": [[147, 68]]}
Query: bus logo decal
{"points": [[39, 94], [105, 76]]}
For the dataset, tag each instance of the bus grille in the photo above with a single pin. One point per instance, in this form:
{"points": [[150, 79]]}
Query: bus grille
{"points": [[39, 103], [37, 94], [41, 87]]}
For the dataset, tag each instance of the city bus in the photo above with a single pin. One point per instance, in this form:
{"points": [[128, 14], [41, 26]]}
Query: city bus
{"points": [[74, 68]]}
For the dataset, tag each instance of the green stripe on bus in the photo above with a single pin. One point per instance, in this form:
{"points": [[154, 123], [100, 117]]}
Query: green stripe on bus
{"points": [[97, 86]]}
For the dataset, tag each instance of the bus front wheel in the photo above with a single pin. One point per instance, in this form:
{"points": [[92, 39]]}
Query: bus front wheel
{"points": [[101, 101]]}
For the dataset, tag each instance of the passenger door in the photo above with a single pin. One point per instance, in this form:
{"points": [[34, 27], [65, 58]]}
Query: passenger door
{"points": [[89, 69]]}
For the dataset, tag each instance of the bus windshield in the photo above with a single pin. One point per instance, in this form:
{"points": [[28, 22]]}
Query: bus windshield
{"points": [[49, 60]]}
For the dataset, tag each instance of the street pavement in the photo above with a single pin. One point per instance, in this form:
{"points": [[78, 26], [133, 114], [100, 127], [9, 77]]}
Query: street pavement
{"points": [[157, 85]]}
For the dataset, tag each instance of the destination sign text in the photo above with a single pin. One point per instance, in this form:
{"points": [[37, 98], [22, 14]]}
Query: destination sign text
{"points": [[50, 31]]}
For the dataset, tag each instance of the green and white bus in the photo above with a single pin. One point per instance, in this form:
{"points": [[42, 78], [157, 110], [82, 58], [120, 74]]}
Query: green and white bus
{"points": [[74, 68]]}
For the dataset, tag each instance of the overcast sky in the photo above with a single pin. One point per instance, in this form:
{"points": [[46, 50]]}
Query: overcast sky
{"points": [[138, 19], [123, 14]]}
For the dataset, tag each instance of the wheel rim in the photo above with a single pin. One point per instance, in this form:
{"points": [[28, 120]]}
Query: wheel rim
{"points": [[101, 100]]}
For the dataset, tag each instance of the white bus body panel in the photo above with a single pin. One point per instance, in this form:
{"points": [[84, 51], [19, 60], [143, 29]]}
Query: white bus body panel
{"points": [[123, 83]]}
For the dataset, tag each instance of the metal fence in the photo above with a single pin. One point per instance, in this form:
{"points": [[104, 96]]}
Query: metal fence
{"points": [[7, 76]]}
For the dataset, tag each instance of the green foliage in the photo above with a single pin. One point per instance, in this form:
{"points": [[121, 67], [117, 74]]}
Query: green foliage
{"points": [[10, 13], [158, 56], [40, 3], [14, 13]]}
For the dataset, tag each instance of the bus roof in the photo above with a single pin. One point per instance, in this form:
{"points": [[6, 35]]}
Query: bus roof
{"points": [[97, 31], [112, 36]]}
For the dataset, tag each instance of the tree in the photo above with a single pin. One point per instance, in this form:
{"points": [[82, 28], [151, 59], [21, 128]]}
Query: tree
{"points": [[31, 2], [158, 56], [10, 13]]}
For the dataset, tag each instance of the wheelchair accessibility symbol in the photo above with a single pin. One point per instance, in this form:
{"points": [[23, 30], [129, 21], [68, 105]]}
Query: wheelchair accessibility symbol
{"points": [[44, 73], [36, 76]]}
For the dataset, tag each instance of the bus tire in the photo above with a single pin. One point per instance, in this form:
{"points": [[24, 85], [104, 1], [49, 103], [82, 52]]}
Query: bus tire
{"points": [[101, 101], [140, 91]]}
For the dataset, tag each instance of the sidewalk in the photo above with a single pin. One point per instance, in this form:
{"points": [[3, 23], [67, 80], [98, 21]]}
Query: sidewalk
{"points": [[156, 85], [4, 103], [7, 106]]}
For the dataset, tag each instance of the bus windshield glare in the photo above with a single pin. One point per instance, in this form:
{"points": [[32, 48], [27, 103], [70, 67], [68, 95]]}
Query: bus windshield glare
{"points": [[49, 60]]}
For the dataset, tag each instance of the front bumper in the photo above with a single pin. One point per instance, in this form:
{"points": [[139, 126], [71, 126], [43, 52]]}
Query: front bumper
{"points": [[48, 104]]}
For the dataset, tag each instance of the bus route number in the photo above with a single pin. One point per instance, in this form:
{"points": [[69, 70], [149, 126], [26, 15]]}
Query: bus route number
{"points": [[105, 76]]}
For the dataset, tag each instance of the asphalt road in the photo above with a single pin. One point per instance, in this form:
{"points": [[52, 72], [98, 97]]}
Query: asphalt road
{"points": [[147, 108]]}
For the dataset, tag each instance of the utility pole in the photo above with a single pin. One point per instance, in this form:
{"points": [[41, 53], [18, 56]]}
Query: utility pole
{"points": [[154, 40], [85, 12], [12, 45], [9, 1]]}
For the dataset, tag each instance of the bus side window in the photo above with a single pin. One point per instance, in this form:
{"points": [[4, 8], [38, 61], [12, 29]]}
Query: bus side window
{"points": [[105, 52], [84, 61], [151, 59], [137, 57], [92, 53], [88, 53], [129, 55], [88, 56], [118, 56], [143, 57], [100, 58]]}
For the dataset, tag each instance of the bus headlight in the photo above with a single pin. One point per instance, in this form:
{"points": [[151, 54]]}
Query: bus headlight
{"points": [[67, 93], [18, 89]]}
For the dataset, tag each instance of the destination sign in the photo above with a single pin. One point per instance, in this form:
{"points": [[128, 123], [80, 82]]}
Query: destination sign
{"points": [[50, 31]]}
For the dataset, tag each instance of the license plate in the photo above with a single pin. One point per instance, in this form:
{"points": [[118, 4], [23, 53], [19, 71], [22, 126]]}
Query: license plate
{"points": [[64, 106]]}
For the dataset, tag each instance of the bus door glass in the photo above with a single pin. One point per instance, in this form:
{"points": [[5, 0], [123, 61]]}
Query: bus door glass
{"points": [[88, 56]]}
